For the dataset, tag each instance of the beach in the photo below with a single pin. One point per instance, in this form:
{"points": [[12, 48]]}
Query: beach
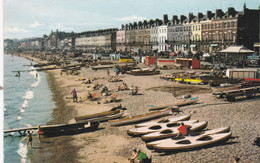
{"points": [[112, 144]]}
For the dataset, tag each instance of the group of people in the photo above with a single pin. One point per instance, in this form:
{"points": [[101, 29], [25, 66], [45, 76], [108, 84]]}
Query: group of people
{"points": [[29, 136], [139, 156]]}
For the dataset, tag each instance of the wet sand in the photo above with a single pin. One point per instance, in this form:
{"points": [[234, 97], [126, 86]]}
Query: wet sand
{"points": [[112, 144]]}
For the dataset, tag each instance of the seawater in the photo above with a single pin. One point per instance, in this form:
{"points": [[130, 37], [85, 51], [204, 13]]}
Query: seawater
{"points": [[27, 102]]}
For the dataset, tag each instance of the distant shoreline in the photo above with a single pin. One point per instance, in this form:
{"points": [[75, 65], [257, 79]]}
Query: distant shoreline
{"points": [[50, 148]]}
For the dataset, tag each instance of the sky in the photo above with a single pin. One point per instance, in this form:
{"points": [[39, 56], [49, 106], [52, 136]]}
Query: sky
{"points": [[34, 18]]}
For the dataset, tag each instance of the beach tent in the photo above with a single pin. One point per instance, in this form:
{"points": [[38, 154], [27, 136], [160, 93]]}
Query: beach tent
{"points": [[236, 55]]}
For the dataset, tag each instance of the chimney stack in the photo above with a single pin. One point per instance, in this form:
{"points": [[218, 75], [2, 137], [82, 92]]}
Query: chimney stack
{"points": [[183, 18], [191, 16], [165, 19], [219, 13], [209, 14]]}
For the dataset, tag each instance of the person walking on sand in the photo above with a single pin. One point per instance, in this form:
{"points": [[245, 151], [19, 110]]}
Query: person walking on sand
{"points": [[74, 94], [40, 132]]}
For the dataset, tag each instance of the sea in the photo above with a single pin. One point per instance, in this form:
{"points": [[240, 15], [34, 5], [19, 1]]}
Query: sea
{"points": [[27, 102]]}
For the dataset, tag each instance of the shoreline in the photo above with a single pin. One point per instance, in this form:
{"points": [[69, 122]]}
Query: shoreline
{"points": [[113, 143], [60, 114]]}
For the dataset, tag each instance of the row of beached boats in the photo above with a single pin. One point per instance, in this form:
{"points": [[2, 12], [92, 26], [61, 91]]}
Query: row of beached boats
{"points": [[160, 135]]}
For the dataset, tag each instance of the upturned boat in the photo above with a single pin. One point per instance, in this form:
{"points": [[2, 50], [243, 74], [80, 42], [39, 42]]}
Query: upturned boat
{"points": [[159, 127], [96, 115], [179, 103], [144, 71], [68, 129], [191, 142], [103, 118], [150, 145], [163, 121], [170, 132], [225, 87], [139, 118]]}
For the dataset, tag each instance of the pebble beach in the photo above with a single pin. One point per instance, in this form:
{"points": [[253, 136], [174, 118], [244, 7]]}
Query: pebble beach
{"points": [[112, 144]]}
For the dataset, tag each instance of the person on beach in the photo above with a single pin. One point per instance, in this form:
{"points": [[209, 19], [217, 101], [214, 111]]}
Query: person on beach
{"points": [[74, 94], [134, 157], [29, 137], [183, 130], [117, 70], [237, 160], [36, 75], [143, 158], [40, 132], [61, 73], [108, 72]]}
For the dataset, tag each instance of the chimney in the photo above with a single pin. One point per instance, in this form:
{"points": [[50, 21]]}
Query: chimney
{"points": [[209, 14], [231, 12], [126, 27], [191, 16], [131, 26], [145, 23], [200, 16], [219, 13], [183, 18], [140, 24], [135, 25], [122, 26], [151, 22], [165, 19], [175, 19]]}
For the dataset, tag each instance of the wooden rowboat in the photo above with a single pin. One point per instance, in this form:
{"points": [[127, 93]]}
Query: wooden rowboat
{"points": [[191, 143], [226, 87], [96, 115], [170, 132], [150, 145], [181, 103], [69, 129], [164, 121], [103, 118], [144, 71], [159, 127], [139, 118]]}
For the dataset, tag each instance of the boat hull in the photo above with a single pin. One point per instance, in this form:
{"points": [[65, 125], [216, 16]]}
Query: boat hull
{"points": [[192, 143], [139, 118]]}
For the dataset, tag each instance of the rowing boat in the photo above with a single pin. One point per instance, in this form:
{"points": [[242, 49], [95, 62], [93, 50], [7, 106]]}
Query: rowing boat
{"points": [[170, 132], [191, 142], [159, 127], [139, 118], [69, 129], [150, 145], [225, 87], [96, 115], [163, 121], [103, 118], [180, 103]]}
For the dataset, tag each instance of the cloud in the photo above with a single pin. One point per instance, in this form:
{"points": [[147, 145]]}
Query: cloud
{"points": [[36, 24], [132, 18], [13, 29]]}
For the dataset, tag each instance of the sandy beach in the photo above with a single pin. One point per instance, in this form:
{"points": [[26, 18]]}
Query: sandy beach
{"points": [[112, 144]]}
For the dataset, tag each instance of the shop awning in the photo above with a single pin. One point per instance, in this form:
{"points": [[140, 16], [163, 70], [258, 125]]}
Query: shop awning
{"points": [[237, 49]]}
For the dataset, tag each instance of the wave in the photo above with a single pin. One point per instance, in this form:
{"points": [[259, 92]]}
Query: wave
{"points": [[28, 95], [18, 118], [22, 151], [37, 77]]}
